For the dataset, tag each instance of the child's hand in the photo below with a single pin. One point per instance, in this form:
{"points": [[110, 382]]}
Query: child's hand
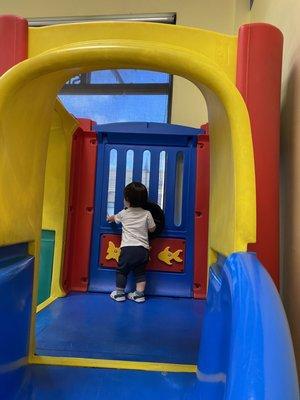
{"points": [[110, 218]]}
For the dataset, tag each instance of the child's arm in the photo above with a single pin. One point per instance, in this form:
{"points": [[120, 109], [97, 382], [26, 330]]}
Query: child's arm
{"points": [[110, 218], [151, 223], [115, 218]]}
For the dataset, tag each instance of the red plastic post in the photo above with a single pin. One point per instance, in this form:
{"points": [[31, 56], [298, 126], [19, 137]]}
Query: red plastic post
{"points": [[81, 209], [13, 41], [259, 61], [201, 216], [87, 124]]}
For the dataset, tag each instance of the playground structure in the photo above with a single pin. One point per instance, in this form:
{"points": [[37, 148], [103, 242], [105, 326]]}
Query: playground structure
{"points": [[237, 337]]}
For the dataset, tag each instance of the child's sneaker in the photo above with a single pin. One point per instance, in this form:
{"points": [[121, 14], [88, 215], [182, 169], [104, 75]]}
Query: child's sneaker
{"points": [[118, 296], [138, 297]]}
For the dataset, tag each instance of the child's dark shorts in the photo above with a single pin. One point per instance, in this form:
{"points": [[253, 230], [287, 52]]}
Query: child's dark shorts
{"points": [[135, 259]]}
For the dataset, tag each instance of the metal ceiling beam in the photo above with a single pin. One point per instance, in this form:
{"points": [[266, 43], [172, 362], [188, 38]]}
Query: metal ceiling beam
{"points": [[117, 88], [164, 18]]}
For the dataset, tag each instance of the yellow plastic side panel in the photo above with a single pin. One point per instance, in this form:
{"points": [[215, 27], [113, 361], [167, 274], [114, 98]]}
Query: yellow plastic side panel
{"points": [[25, 120], [56, 188]]}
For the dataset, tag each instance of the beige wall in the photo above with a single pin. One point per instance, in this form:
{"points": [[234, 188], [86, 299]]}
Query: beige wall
{"points": [[241, 14], [213, 15], [285, 15], [217, 15]]}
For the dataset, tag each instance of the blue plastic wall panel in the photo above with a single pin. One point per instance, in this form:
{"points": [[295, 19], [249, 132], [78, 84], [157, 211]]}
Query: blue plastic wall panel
{"points": [[246, 350], [149, 128], [91, 325], [16, 277], [155, 138], [69, 383]]}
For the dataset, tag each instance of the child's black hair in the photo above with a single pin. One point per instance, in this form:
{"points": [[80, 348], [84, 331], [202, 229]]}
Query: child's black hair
{"points": [[136, 194]]}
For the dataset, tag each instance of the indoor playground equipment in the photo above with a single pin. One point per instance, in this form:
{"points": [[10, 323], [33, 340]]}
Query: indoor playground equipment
{"points": [[216, 335]]}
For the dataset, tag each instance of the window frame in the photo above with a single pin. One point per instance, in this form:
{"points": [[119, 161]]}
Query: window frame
{"points": [[86, 88], [162, 18]]}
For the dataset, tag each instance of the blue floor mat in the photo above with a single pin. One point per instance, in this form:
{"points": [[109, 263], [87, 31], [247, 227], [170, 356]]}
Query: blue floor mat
{"points": [[69, 383], [91, 325]]}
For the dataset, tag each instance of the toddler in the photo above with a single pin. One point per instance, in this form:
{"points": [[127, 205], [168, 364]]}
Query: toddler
{"points": [[136, 223]]}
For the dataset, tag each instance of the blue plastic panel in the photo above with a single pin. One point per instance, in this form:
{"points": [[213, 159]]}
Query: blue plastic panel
{"points": [[67, 383], [139, 137], [149, 128], [16, 275], [246, 349], [91, 325]]}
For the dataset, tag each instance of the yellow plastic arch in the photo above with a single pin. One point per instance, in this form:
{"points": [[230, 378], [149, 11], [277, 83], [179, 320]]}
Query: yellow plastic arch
{"points": [[28, 93], [25, 127]]}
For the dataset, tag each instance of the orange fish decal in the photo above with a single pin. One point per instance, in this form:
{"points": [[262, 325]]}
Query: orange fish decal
{"points": [[167, 256], [113, 252]]}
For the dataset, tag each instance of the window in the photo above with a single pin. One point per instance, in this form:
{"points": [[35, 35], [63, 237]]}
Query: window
{"points": [[161, 179], [129, 167], [178, 189], [121, 95], [111, 192], [146, 168]]}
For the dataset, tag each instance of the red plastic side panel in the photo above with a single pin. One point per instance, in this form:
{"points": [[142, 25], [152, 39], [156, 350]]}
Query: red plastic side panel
{"points": [[86, 124], [13, 41], [201, 216], [80, 211], [259, 61], [111, 242]]}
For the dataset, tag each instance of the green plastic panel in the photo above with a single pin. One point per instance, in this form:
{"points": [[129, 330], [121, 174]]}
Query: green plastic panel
{"points": [[46, 265]]}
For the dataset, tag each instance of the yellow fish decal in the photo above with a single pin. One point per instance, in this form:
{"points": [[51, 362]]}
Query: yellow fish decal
{"points": [[113, 252], [167, 256]]}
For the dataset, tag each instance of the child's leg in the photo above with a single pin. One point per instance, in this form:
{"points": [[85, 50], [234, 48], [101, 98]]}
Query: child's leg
{"points": [[121, 277], [140, 277], [124, 266], [140, 286], [121, 280], [140, 270]]}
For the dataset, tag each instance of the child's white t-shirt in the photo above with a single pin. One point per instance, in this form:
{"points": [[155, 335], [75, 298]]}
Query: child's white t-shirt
{"points": [[135, 225]]}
